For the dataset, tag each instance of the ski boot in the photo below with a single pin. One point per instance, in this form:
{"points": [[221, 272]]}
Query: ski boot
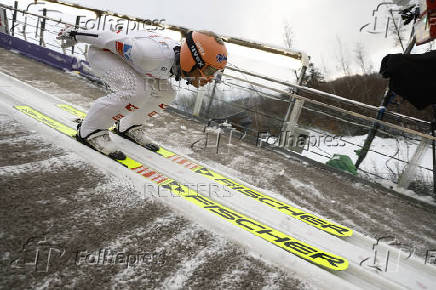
{"points": [[136, 134], [100, 141]]}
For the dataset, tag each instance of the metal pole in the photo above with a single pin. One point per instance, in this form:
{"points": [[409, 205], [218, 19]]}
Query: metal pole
{"points": [[294, 108], [300, 82], [41, 33], [198, 102], [433, 132], [77, 27], [412, 165], [5, 23], [218, 139], [389, 95], [302, 75], [217, 80], [24, 29], [37, 27], [14, 18]]}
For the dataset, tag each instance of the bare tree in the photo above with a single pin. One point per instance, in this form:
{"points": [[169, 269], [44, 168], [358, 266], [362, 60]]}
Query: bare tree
{"points": [[288, 35], [344, 64], [359, 53], [288, 39], [362, 59]]}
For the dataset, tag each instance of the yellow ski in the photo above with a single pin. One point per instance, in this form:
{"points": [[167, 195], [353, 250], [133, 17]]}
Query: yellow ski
{"points": [[279, 239], [308, 218]]}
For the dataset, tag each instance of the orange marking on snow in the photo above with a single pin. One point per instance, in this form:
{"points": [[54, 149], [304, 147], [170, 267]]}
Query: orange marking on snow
{"points": [[131, 107], [148, 174], [162, 179], [152, 114], [117, 117]]}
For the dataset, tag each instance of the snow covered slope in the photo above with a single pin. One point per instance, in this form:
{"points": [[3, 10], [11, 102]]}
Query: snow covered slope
{"points": [[413, 272]]}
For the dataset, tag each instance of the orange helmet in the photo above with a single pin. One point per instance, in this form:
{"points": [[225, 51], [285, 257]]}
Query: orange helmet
{"points": [[203, 51]]}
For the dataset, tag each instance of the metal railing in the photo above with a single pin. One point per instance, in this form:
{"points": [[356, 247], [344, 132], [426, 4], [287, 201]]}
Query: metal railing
{"points": [[42, 29]]}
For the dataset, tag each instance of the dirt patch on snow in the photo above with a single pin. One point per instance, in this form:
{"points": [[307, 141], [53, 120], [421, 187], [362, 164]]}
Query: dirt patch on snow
{"points": [[66, 224]]}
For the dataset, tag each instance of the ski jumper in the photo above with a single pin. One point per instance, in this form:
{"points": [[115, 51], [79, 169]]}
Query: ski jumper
{"points": [[137, 68]]}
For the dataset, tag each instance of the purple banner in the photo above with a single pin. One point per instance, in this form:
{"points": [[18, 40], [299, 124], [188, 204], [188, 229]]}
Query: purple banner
{"points": [[42, 54]]}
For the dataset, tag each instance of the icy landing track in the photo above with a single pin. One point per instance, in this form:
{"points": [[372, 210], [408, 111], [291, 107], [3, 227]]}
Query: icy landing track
{"points": [[412, 273]]}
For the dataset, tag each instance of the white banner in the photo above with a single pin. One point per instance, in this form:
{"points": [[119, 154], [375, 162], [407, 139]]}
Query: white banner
{"points": [[3, 21]]}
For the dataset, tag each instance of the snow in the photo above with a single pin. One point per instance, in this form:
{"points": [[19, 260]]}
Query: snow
{"points": [[380, 164], [189, 264], [259, 248], [48, 165], [255, 246], [352, 249]]}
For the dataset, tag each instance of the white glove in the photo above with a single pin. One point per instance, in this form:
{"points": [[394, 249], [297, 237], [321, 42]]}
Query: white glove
{"points": [[67, 36]]}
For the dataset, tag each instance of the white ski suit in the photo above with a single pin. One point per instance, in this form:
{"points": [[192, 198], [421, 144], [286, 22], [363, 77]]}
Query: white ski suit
{"points": [[137, 68]]}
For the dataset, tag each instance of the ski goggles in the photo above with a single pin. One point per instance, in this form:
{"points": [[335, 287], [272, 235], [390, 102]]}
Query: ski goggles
{"points": [[209, 71]]}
